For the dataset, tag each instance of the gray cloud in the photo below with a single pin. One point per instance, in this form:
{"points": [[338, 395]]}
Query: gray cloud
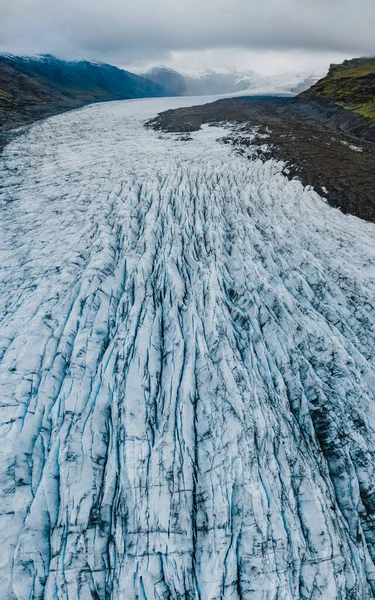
{"points": [[150, 31]]}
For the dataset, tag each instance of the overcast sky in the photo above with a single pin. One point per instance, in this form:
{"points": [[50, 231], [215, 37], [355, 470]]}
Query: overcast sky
{"points": [[269, 36]]}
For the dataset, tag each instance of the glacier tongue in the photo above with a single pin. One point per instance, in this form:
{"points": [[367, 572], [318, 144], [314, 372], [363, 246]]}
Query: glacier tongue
{"points": [[187, 371]]}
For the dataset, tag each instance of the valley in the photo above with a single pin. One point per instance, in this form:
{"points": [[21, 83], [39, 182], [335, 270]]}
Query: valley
{"points": [[187, 367]]}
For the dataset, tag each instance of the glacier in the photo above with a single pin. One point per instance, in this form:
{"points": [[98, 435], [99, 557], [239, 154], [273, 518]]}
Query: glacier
{"points": [[187, 370]]}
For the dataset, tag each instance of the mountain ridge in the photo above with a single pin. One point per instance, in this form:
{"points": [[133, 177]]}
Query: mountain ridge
{"points": [[35, 87]]}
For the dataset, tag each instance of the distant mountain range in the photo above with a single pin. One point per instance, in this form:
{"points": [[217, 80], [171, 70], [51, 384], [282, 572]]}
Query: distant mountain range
{"points": [[214, 83], [37, 87], [34, 87]]}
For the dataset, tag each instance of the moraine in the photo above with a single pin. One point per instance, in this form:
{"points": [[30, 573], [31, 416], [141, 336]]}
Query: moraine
{"points": [[187, 373]]}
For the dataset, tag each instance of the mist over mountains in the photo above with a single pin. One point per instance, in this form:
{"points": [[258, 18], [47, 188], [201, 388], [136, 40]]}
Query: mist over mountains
{"points": [[212, 82]]}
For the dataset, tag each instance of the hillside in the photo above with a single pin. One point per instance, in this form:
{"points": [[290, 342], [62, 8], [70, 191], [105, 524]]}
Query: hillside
{"points": [[347, 96], [31, 88]]}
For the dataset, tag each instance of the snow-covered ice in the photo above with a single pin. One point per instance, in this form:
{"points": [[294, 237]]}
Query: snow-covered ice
{"points": [[351, 146], [187, 371]]}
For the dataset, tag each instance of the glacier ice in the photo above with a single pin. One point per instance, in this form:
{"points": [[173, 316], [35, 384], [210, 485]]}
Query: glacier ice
{"points": [[187, 371]]}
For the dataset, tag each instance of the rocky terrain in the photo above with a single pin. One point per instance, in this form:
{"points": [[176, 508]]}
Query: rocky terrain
{"points": [[337, 166], [32, 88]]}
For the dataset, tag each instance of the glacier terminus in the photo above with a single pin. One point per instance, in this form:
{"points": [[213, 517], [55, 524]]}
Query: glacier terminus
{"points": [[187, 375]]}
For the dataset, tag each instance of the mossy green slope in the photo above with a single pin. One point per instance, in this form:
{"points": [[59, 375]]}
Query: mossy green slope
{"points": [[350, 85]]}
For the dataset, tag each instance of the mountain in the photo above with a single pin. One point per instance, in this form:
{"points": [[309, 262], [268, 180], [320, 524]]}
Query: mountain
{"points": [[168, 78], [212, 82], [345, 97], [34, 87]]}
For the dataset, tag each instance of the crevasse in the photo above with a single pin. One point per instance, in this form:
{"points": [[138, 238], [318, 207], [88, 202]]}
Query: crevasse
{"points": [[187, 371]]}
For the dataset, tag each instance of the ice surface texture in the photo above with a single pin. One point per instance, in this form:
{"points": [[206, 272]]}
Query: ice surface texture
{"points": [[187, 372]]}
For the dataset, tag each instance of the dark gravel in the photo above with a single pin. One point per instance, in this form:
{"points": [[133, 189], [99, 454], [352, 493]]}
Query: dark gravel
{"points": [[317, 153]]}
